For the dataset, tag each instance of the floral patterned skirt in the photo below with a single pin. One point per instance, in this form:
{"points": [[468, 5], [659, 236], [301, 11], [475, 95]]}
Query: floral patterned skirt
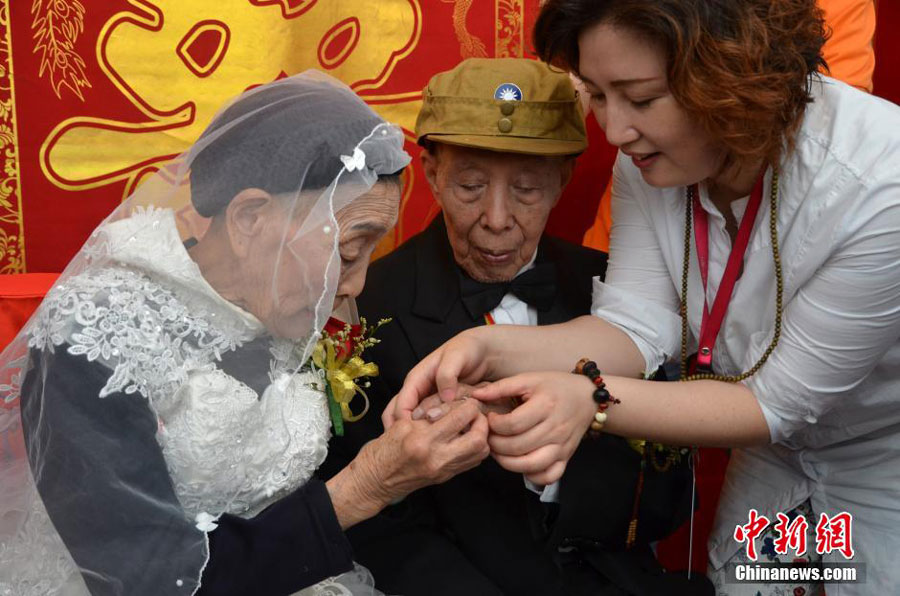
{"points": [[765, 547]]}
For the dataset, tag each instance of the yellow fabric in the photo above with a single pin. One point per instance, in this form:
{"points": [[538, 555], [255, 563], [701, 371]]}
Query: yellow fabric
{"points": [[849, 53]]}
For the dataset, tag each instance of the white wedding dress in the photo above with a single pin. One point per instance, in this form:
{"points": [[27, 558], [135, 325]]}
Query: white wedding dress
{"points": [[160, 328]]}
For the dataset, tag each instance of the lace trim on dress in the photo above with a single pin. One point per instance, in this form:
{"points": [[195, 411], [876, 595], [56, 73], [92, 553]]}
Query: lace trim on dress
{"points": [[133, 325]]}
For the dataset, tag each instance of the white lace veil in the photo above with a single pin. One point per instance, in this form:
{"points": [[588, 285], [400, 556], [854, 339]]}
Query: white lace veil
{"points": [[139, 311]]}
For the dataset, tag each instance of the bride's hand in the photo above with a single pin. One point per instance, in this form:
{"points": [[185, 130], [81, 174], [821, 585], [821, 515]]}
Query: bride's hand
{"points": [[538, 437], [408, 456], [462, 358]]}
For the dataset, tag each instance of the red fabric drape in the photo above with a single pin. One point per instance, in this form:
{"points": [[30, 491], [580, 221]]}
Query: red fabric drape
{"points": [[19, 297]]}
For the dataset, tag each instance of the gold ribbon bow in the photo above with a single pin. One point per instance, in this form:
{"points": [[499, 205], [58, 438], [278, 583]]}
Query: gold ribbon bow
{"points": [[341, 374]]}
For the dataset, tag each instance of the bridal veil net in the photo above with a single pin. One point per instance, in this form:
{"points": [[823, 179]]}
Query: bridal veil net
{"points": [[238, 421]]}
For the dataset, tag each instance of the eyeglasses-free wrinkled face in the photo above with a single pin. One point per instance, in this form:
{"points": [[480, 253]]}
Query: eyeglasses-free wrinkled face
{"points": [[273, 284], [495, 205]]}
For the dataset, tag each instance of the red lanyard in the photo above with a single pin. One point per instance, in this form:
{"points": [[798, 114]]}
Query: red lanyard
{"points": [[712, 320]]}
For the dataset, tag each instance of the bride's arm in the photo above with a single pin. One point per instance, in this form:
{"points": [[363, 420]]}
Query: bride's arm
{"points": [[103, 480], [105, 484]]}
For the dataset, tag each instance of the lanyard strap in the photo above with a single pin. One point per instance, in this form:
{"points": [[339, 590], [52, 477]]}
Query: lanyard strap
{"points": [[712, 320]]}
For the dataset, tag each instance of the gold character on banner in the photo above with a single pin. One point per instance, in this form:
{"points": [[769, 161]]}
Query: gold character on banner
{"points": [[177, 62]]}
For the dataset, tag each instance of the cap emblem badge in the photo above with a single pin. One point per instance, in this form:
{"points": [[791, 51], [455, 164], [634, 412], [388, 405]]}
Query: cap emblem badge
{"points": [[508, 92]]}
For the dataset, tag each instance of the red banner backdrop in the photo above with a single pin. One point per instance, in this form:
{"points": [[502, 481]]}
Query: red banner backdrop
{"points": [[97, 94], [88, 86]]}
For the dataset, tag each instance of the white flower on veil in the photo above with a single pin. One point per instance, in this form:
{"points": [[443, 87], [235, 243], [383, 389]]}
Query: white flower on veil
{"points": [[357, 161]]}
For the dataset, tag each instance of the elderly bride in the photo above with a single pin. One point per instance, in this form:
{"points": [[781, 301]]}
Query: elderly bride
{"points": [[161, 421]]}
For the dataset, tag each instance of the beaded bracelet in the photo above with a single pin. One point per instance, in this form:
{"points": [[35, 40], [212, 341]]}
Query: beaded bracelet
{"points": [[601, 394]]}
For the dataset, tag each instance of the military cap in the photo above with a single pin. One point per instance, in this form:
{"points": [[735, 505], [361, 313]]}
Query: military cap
{"points": [[512, 105]]}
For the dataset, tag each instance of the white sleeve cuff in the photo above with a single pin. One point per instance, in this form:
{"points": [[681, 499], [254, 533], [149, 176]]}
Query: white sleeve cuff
{"points": [[782, 422], [548, 494]]}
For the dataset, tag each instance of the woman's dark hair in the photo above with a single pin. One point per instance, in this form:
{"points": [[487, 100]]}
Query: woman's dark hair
{"points": [[284, 134], [740, 67]]}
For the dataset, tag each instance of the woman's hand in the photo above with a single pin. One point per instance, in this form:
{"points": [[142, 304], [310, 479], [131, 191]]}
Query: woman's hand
{"points": [[462, 358], [538, 437], [408, 456]]}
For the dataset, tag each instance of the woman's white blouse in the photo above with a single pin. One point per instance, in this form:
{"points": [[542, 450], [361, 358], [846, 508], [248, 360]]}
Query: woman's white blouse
{"points": [[830, 391]]}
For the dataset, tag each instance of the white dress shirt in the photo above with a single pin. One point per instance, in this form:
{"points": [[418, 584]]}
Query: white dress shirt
{"points": [[830, 392]]}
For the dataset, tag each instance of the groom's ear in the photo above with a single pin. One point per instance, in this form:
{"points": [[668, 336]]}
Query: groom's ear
{"points": [[429, 157], [245, 218]]}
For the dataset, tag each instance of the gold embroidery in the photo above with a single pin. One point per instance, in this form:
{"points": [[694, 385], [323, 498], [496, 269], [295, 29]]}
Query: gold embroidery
{"points": [[12, 239], [509, 35], [56, 27], [469, 45]]}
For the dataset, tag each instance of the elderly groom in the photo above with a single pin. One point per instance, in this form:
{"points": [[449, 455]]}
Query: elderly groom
{"points": [[500, 138]]}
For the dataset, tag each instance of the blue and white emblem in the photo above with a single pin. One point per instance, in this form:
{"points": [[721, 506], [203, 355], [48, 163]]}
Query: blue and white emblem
{"points": [[508, 92]]}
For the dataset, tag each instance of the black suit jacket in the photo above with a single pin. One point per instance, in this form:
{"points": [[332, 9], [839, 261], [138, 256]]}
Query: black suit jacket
{"points": [[483, 531]]}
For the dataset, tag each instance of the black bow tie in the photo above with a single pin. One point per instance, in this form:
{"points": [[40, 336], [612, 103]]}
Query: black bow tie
{"points": [[536, 287]]}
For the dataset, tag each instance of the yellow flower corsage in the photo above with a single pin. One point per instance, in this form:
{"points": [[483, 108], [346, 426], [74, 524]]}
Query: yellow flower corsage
{"points": [[339, 356]]}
